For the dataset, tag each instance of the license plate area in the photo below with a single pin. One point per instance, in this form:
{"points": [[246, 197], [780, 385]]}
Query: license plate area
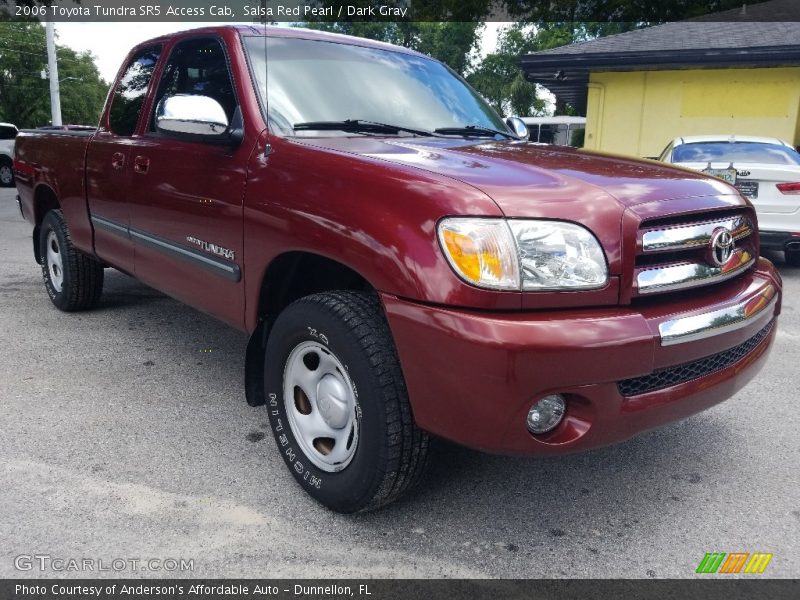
{"points": [[747, 188], [728, 175]]}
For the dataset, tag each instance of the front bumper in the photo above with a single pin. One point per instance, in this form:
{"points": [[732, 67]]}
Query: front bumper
{"points": [[472, 376]]}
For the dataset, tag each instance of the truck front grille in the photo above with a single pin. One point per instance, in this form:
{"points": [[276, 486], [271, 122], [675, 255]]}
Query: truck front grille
{"points": [[664, 378], [693, 251]]}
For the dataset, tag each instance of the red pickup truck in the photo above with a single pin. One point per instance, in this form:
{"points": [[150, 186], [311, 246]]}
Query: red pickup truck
{"points": [[406, 263]]}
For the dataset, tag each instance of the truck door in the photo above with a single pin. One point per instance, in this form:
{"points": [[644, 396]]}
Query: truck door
{"points": [[108, 161], [187, 196]]}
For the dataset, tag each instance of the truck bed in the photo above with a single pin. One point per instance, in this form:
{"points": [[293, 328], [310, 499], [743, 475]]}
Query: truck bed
{"points": [[57, 159]]}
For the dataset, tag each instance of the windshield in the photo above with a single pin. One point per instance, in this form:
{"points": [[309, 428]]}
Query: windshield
{"points": [[312, 81], [752, 152]]}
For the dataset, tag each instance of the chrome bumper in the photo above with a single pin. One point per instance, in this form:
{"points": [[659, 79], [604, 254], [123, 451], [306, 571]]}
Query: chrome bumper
{"points": [[760, 307]]}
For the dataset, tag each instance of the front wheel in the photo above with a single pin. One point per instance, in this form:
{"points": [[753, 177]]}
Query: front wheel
{"points": [[338, 404], [73, 280]]}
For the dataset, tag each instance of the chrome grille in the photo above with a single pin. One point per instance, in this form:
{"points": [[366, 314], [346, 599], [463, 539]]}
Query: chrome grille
{"points": [[684, 237], [680, 255]]}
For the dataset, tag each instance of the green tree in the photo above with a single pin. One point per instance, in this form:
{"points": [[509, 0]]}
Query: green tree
{"points": [[83, 91], [499, 78], [25, 96]]}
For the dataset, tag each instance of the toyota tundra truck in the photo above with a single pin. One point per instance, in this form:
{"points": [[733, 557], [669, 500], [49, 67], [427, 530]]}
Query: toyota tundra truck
{"points": [[406, 264]]}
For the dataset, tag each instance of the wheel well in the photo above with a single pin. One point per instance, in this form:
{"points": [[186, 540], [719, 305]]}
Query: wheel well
{"points": [[288, 278], [44, 200], [296, 274]]}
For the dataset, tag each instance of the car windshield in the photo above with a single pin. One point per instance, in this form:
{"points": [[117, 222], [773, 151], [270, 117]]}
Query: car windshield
{"points": [[312, 81], [751, 152]]}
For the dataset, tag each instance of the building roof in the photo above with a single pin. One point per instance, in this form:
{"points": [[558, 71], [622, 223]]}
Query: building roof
{"points": [[687, 35], [766, 34]]}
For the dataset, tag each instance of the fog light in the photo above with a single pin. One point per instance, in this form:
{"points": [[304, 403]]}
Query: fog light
{"points": [[546, 414]]}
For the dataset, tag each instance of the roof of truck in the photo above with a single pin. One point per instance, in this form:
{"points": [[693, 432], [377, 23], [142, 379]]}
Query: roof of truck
{"points": [[287, 32]]}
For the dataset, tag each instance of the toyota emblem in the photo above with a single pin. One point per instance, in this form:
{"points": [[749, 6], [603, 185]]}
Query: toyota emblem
{"points": [[722, 246]]}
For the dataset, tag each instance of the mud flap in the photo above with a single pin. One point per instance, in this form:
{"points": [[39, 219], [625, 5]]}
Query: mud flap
{"points": [[254, 365]]}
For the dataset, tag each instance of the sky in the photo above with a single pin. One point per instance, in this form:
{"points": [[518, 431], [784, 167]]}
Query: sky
{"points": [[110, 42]]}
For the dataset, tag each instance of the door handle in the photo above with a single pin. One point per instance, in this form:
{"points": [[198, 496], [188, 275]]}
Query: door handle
{"points": [[118, 160], [141, 164]]}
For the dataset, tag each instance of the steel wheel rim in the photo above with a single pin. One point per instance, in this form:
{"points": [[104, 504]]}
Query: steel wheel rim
{"points": [[5, 174], [321, 406], [55, 263]]}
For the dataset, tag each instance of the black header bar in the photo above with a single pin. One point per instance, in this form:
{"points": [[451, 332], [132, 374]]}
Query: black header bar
{"points": [[250, 11]]}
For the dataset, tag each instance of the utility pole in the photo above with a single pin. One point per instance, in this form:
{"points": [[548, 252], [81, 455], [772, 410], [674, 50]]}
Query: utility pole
{"points": [[52, 67]]}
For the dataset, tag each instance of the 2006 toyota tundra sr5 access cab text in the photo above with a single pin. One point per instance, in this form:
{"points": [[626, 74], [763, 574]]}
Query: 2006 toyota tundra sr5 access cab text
{"points": [[406, 265]]}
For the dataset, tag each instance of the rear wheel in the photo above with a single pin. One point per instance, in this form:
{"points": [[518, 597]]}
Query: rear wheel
{"points": [[6, 173], [73, 280], [792, 258], [338, 405]]}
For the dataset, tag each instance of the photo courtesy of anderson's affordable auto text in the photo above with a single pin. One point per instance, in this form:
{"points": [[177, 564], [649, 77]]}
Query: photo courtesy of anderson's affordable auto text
{"points": [[399, 299]]}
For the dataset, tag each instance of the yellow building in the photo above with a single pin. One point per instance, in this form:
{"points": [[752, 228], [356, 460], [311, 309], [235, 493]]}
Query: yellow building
{"points": [[641, 89]]}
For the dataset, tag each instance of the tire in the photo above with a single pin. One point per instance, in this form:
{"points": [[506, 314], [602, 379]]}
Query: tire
{"points": [[792, 258], [350, 441], [6, 173], [73, 280]]}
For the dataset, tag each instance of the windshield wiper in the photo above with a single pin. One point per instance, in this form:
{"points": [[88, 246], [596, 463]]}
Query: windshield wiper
{"points": [[475, 130], [357, 126]]}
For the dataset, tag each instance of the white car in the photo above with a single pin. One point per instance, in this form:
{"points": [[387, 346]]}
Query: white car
{"points": [[765, 170], [7, 134]]}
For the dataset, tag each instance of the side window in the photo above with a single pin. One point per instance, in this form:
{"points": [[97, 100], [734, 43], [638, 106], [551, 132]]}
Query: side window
{"points": [[7, 133], [131, 92], [198, 67]]}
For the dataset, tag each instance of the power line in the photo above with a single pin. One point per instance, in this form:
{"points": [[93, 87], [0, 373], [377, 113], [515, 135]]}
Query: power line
{"points": [[13, 41], [23, 52], [67, 59], [24, 24]]}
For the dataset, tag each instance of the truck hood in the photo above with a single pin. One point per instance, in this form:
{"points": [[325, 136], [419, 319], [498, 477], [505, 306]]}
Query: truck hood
{"points": [[607, 194], [537, 180]]}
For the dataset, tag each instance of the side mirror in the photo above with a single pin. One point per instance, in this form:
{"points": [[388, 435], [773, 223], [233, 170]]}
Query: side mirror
{"points": [[198, 118], [518, 126]]}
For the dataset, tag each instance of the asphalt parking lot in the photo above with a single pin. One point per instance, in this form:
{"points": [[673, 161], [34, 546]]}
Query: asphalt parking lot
{"points": [[124, 434]]}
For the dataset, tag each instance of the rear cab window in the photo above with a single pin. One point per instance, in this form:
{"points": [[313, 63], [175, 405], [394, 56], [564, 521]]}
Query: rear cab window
{"points": [[131, 91]]}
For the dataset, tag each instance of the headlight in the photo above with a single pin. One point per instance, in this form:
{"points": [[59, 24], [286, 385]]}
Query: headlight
{"points": [[554, 255], [523, 254]]}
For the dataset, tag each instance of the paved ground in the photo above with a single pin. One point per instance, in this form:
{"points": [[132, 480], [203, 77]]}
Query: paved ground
{"points": [[121, 438]]}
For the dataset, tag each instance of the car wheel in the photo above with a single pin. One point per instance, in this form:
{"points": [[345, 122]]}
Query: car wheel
{"points": [[6, 173], [73, 280], [792, 258], [338, 404]]}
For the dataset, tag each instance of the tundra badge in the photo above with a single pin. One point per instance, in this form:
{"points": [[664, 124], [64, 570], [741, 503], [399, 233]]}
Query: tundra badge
{"points": [[213, 248]]}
